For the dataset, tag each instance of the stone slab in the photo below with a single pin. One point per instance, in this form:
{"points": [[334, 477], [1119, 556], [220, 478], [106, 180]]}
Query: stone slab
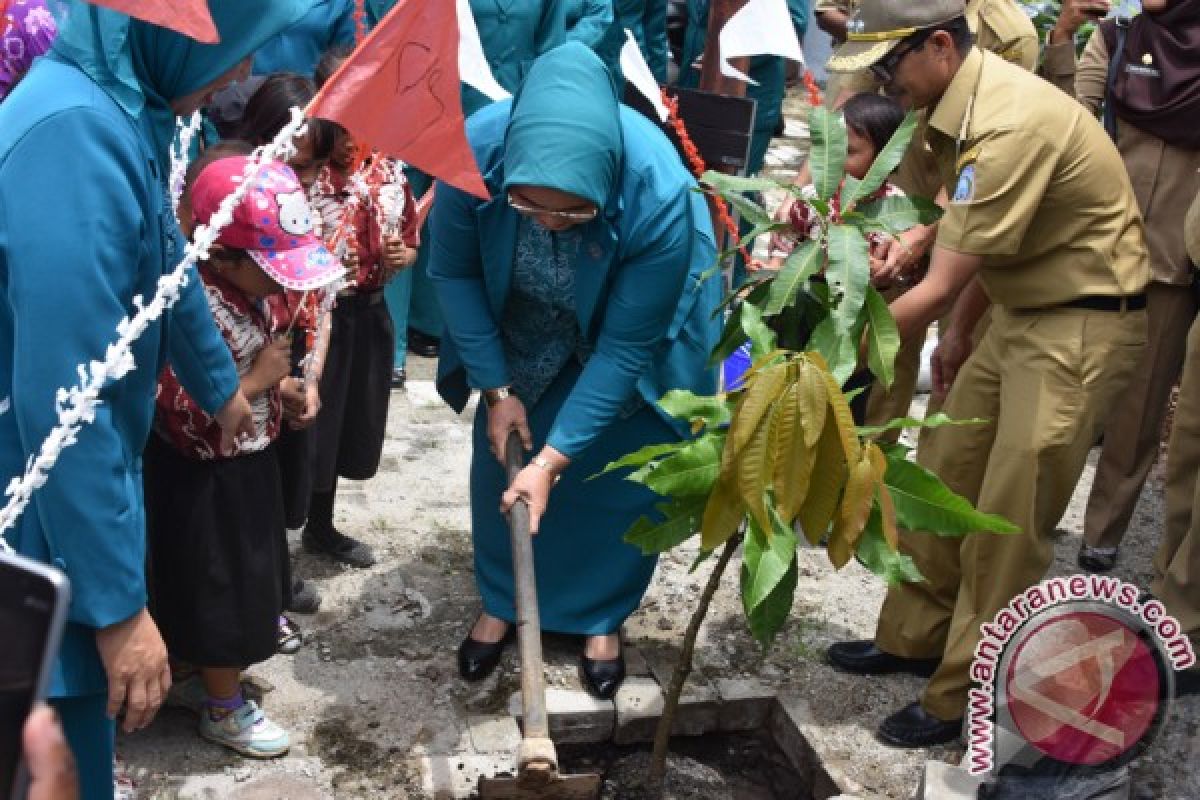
{"points": [[639, 704], [746, 704], [942, 781], [493, 734], [457, 777], [699, 705], [790, 716], [575, 716]]}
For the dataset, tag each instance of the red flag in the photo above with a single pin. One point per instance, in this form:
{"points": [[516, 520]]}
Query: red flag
{"points": [[399, 93], [189, 17]]}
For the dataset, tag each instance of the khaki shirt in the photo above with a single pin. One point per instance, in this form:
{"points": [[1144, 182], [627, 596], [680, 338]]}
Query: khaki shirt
{"points": [[1163, 176], [1037, 189]]}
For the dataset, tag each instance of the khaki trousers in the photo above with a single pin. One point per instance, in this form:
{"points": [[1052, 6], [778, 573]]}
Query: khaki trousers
{"points": [[1177, 563], [884, 405], [1044, 380], [1133, 431]]}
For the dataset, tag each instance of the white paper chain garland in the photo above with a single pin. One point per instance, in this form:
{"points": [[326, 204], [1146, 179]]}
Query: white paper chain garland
{"points": [[184, 134], [77, 405]]}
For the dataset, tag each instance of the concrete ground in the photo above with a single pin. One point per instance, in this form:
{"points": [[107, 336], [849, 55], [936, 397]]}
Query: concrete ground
{"points": [[376, 709]]}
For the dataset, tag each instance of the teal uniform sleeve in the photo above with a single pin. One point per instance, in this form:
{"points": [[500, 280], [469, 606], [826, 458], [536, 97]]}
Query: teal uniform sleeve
{"points": [[72, 234], [456, 270], [598, 28], [551, 29], [640, 305], [654, 26]]}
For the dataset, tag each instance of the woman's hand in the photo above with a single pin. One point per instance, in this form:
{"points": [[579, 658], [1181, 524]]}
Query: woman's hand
{"points": [[900, 257], [271, 365], [397, 255], [505, 416], [1074, 14], [533, 485], [948, 357], [135, 661]]}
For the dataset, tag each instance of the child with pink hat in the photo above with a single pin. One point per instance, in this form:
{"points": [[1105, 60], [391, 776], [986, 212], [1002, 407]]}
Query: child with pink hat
{"points": [[214, 511]]}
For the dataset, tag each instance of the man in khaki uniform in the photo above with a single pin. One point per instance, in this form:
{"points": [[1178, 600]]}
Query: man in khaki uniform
{"points": [[1162, 173], [1042, 226], [1177, 563]]}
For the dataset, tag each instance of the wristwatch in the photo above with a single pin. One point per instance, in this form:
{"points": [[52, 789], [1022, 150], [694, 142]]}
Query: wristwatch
{"points": [[493, 396]]}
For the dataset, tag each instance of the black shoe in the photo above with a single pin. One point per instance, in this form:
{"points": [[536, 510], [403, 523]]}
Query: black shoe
{"points": [[603, 677], [477, 660], [305, 598], [913, 726], [423, 344], [1096, 559], [338, 546], [398, 377], [862, 657]]}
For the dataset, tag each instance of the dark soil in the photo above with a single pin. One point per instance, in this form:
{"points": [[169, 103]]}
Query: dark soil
{"points": [[723, 766]]}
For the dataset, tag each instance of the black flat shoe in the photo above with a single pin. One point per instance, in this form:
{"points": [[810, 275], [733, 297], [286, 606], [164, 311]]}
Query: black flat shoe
{"points": [[477, 660], [913, 726], [1096, 559], [422, 344], [862, 657], [338, 546], [603, 677]]}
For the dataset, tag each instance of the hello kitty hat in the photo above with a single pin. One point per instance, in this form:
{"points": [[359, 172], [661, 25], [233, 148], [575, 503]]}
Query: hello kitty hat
{"points": [[273, 223]]}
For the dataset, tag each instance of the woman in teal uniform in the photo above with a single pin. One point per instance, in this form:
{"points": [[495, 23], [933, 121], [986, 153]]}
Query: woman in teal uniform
{"points": [[648, 21], [85, 226], [327, 24], [574, 299]]}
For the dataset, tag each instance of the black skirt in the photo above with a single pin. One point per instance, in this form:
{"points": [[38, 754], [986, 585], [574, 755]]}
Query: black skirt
{"points": [[217, 545], [355, 391], [294, 450]]}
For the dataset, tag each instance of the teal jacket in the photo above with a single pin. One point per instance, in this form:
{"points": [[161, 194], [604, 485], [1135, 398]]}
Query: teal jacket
{"points": [[595, 24], [769, 71], [299, 48], [648, 21], [84, 227], [644, 300]]}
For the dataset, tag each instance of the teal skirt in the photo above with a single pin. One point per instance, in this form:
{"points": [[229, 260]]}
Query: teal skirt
{"points": [[588, 579]]}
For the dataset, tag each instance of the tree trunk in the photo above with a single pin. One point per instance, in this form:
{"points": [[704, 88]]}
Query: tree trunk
{"points": [[655, 779]]}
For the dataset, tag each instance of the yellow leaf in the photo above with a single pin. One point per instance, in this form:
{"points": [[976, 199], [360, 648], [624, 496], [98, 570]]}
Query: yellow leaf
{"points": [[856, 502], [825, 488], [839, 550], [722, 516], [887, 510], [754, 473], [794, 457], [762, 390], [813, 401], [851, 446]]}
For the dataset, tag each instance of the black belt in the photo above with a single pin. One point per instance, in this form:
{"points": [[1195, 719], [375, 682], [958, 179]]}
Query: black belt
{"points": [[355, 297], [1100, 302]]}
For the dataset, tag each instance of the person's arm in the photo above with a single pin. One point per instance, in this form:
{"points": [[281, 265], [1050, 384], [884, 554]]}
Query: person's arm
{"points": [[456, 270], [1086, 79], [552, 26], [955, 341], [833, 21], [654, 31], [595, 20], [949, 272]]}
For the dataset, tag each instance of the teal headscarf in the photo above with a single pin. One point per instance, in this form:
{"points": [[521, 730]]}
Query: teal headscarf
{"points": [[565, 129], [144, 67]]}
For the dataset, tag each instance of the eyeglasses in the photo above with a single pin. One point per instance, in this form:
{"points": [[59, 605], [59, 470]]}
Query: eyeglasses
{"points": [[884, 70], [536, 211]]}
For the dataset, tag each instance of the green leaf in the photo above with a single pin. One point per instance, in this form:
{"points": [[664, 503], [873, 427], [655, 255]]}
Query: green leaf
{"points": [[737, 184], [924, 503], [679, 521], [749, 210], [762, 338], [827, 154], [875, 554], [804, 262], [682, 404], [937, 420], [894, 215], [883, 338], [641, 457], [732, 337], [838, 348], [772, 612], [690, 472], [886, 161], [848, 274]]}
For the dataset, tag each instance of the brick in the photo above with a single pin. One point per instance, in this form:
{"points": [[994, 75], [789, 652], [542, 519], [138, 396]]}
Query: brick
{"points": [[457, 777], [745, 704], [941, 781], [575, 716], [639, 704], [493, 734]]}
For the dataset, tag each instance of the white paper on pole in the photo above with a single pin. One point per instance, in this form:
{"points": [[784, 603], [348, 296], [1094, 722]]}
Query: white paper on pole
{"points": [[473, 68], [760, 28], [638, 73]]}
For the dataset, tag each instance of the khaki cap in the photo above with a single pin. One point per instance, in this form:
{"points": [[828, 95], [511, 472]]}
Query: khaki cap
{"points": [[880, 25], [1191, 232]]}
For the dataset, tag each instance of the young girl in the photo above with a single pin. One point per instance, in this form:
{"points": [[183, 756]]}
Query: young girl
{"points": [[371, 222], [214, 509], [871, 120], [267, 112]]}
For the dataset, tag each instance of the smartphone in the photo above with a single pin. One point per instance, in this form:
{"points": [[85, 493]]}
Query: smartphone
{"points": [[33, 611]]}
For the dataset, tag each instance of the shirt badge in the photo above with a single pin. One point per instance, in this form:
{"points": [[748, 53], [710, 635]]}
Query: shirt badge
{"points": [[964, 190]]}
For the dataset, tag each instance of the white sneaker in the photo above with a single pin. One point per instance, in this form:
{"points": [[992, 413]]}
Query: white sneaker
{"points": [[247, 731]]}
